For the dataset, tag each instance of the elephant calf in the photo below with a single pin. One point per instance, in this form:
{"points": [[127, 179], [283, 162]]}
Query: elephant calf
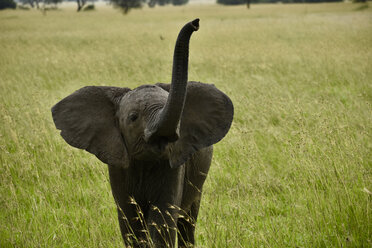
{"points": [[157, 141]]}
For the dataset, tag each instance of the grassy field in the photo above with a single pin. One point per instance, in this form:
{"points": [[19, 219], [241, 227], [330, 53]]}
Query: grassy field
{"points": [[295, 169]]}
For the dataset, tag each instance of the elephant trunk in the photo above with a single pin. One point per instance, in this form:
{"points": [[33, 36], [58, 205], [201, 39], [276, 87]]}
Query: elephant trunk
{"points": [[166, 124]]}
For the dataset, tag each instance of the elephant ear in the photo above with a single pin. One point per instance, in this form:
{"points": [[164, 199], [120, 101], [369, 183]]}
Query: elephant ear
{"points": [[206, 119], [87, 121]]}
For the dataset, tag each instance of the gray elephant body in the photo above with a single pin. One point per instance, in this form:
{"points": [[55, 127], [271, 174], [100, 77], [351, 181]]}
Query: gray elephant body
{"points": [[166, 197], [157, 141]]}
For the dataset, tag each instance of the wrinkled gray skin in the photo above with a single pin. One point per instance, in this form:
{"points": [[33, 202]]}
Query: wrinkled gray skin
{"points": [[157, 141]]}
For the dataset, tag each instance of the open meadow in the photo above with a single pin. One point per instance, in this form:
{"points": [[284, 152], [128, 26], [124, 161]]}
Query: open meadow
{"points": [[295, 170]]}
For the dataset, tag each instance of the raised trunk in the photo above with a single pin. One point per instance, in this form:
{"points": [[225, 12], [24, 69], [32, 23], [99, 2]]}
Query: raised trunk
{"points": [[166, 125]]}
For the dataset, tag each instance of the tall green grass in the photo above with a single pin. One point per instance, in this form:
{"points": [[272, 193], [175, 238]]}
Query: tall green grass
{"points": [[294, 170]]}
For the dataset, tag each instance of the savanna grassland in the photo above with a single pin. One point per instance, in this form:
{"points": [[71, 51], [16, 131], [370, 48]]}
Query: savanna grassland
{"points": [[295, 170]]}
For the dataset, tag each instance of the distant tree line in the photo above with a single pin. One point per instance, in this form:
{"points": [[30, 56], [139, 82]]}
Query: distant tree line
{"points": [[152, 3], [37, 3], [295, 1], [7, 4], [4, 4], [237, 2], [125, 5]]}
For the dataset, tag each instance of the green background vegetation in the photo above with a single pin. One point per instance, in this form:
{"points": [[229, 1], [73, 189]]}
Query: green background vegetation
{"points": [[294, 170]]}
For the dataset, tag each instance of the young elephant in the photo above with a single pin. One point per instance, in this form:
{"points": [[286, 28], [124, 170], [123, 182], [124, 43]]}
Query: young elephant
{"points": [[157, 141]]}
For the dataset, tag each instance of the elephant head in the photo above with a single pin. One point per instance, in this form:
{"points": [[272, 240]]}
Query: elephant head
{"points": [[151, 122]]}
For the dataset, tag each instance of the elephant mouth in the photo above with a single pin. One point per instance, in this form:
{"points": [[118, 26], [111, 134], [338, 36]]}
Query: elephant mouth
{"points": [[158, 149]]}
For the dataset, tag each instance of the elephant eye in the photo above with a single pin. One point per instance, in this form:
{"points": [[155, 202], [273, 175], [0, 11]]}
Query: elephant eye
{"points": [[133, 116]]}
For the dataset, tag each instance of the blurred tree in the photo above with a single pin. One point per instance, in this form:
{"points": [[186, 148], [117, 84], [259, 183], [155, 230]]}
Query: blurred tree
{"points": [[37, 3], [32, 3], [126, 5], [7, 4], [179, 2], [80, 4], [152, 3], [55, 2], [236, 2], [231, 2]]}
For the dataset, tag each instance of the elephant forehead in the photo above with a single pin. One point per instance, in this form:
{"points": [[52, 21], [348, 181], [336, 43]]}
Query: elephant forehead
{"points": [[145, 95]]}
